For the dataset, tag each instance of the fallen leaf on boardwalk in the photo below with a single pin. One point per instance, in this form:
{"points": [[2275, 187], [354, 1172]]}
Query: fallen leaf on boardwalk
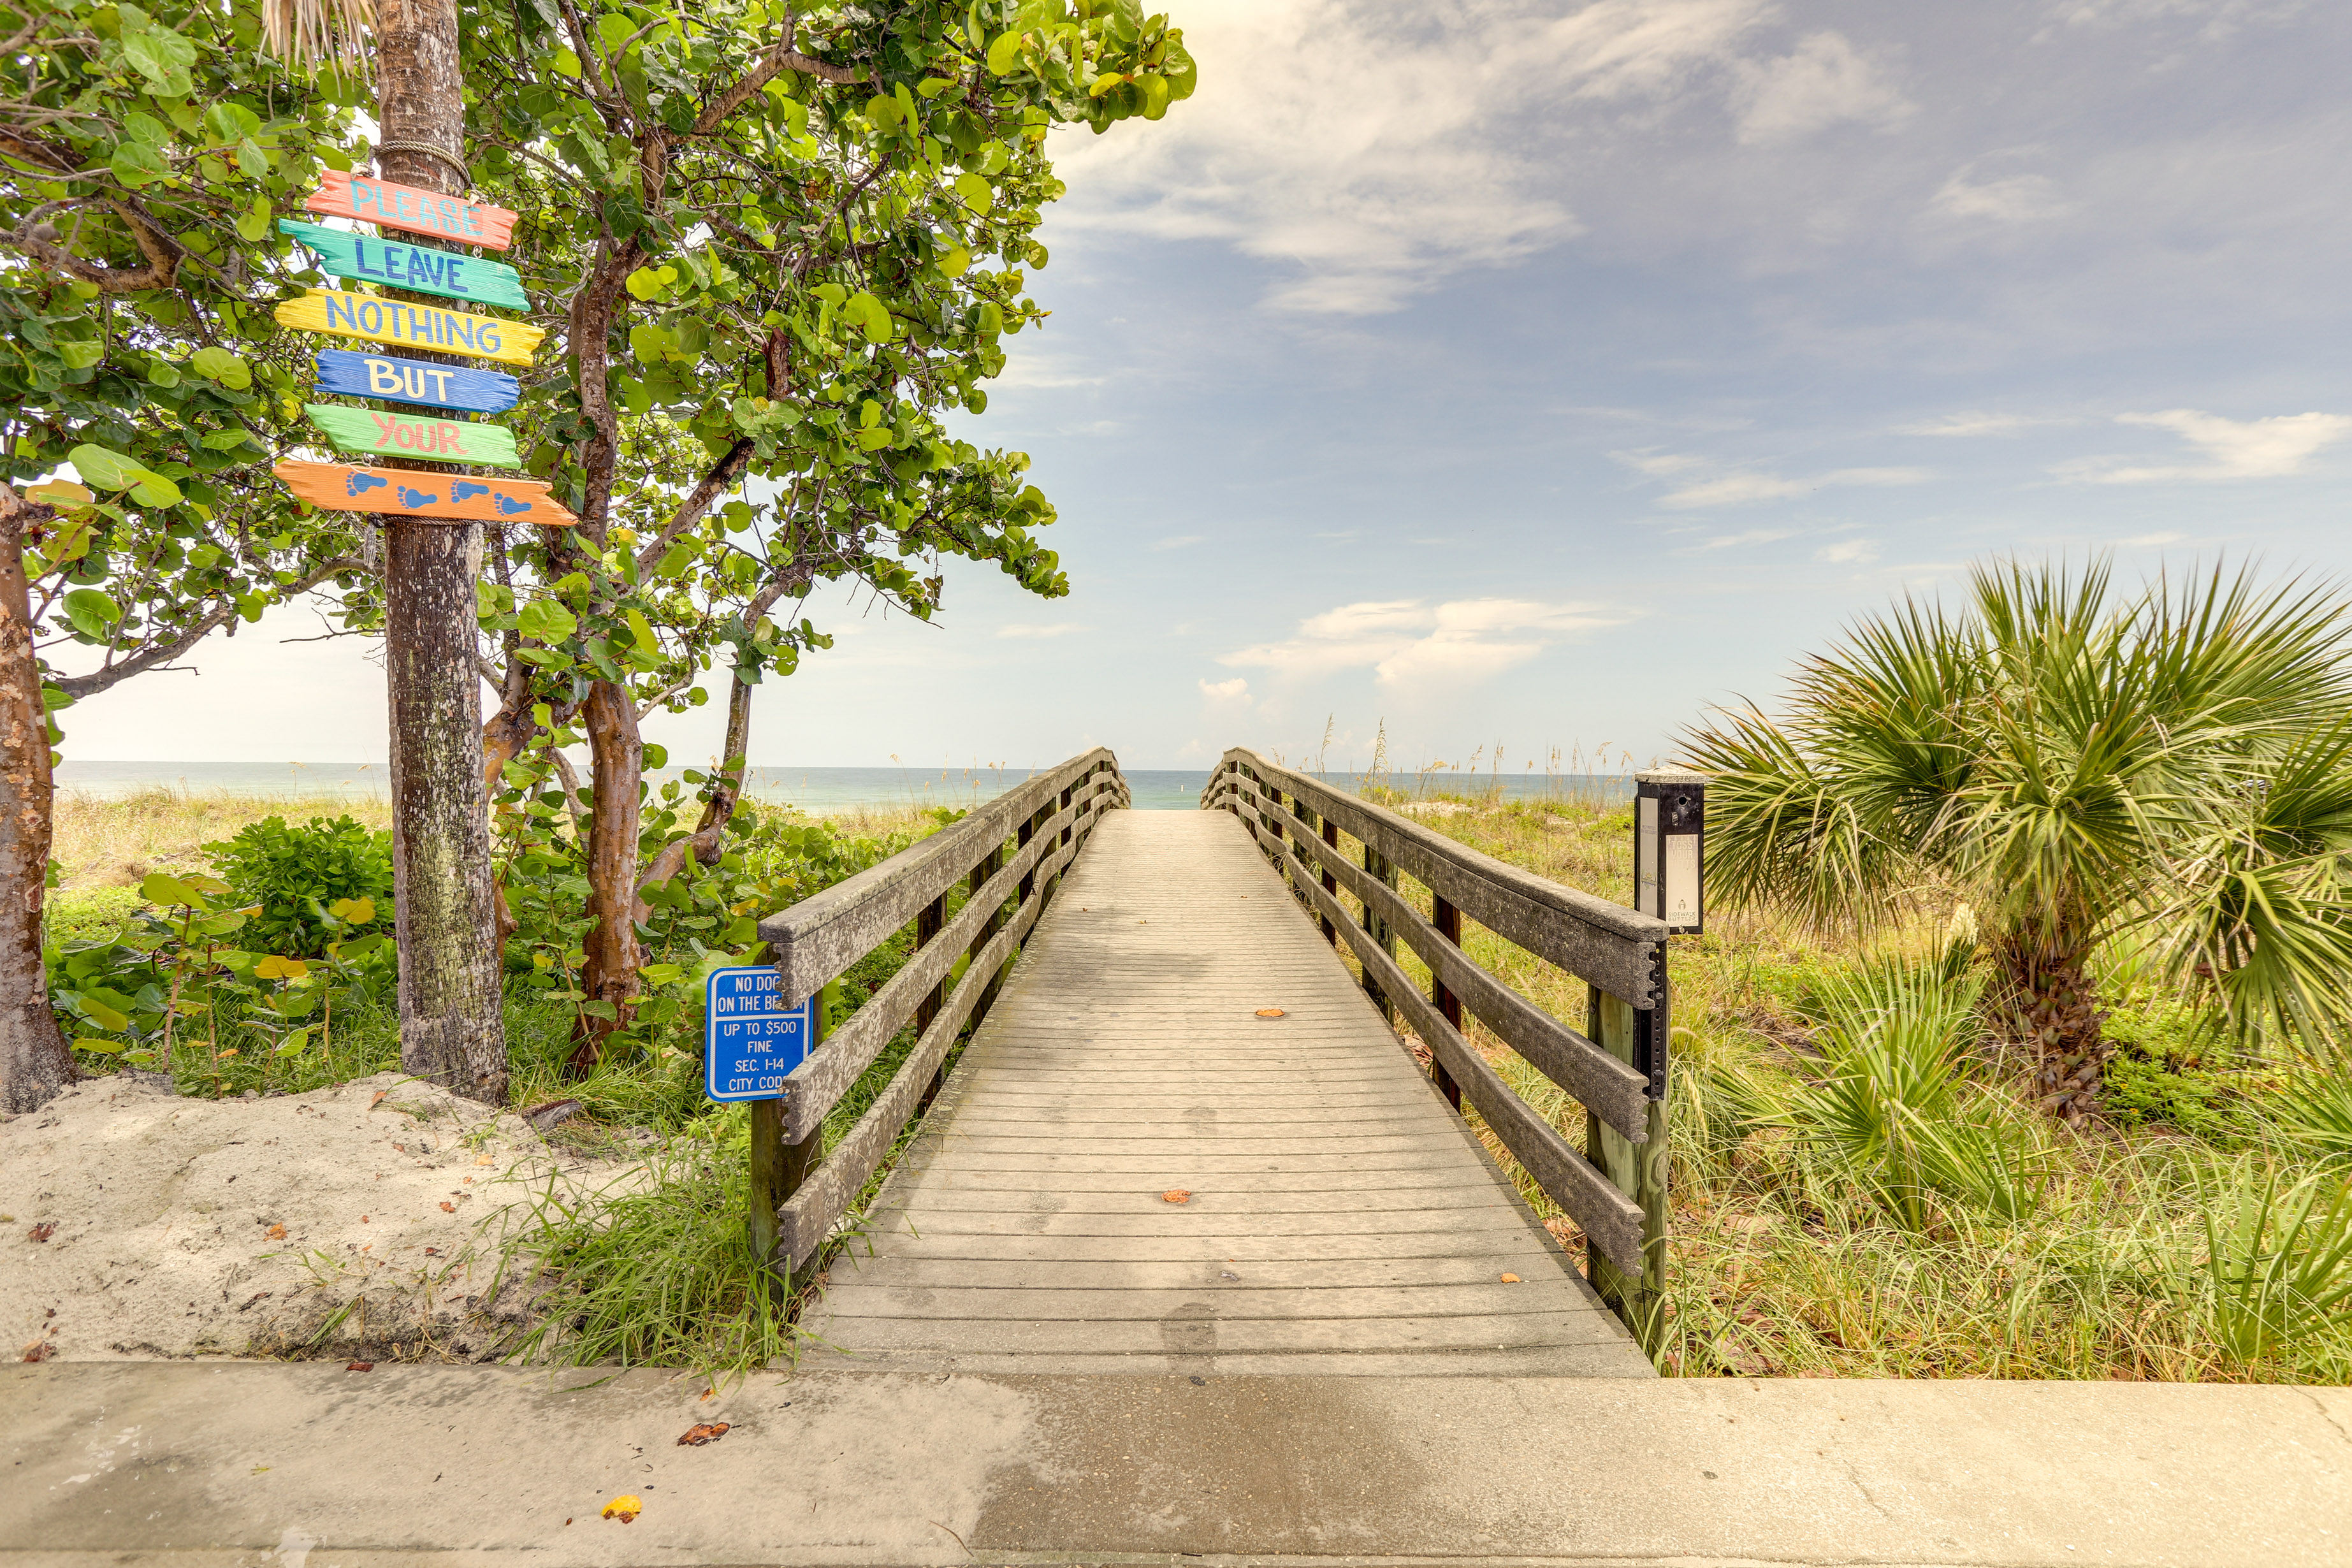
{"points": [[1269, 1012], [360, 1366], [377, 1099], [1510, 1279], [1176, 1195], [707, 1393], [448, 1207], [703, 1432], [42, 1231], [624, 1508], [276, 1233], [40, 1351]]}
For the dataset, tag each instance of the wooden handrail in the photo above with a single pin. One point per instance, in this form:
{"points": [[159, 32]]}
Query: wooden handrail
{"points": [[815, 940], [1620, 953]]}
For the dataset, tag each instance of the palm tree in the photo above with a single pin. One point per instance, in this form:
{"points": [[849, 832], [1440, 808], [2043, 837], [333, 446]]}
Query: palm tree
{"points": [[2077, 762]]}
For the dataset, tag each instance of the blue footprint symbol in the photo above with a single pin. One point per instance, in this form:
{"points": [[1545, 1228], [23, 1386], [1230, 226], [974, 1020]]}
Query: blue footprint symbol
{"points": [[415, 498], [461, 489], [360, 484], [509, 506]]}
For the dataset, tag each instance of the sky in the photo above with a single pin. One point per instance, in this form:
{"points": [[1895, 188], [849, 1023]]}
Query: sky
{"points": [[1540, 375]]}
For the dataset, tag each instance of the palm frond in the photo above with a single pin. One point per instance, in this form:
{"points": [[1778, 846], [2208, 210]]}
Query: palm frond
{"points": [[315, 32]]}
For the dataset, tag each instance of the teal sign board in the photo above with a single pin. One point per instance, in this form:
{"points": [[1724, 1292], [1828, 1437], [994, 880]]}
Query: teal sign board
{"points": [[750, 1042], [401, 264]]}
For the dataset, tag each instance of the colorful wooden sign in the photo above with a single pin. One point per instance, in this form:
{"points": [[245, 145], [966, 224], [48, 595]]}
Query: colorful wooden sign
{"points": [[416, 326], [415, 435], [400, 380], [411, 209], [402, 265], [461, 497]]}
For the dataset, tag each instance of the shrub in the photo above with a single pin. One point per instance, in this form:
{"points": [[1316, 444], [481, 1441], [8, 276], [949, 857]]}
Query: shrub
{"points": [[297, 874], [2165, 1071]]}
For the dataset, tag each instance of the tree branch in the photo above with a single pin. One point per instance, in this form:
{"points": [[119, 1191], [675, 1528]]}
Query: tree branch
{"points": [[146, 658], [714, 484], [773, 64]]}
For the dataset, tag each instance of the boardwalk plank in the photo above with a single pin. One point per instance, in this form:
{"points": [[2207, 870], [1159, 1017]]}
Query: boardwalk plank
{"points": [[1361, 1225]]}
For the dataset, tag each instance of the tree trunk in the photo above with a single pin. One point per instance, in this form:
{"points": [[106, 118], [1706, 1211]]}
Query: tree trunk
{"points": [[35, 1061], [616, 765], [727, 787], [2055, 1012], [451, 1029]]}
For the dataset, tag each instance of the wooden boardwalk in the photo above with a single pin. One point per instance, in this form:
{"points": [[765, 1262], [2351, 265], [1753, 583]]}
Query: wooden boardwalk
{"points": [[1339, 1216]]}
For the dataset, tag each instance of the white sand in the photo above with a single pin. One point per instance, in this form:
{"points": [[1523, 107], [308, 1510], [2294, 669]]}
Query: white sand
{"points": [[390, 1193]]}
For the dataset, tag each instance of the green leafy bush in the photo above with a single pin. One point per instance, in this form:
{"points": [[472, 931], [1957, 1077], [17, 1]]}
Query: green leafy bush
{"points": [[298, 875], [2171, 1069]]}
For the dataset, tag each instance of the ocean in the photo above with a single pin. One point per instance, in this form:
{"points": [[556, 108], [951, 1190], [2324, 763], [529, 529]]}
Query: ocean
{"points": [[814, 790]]}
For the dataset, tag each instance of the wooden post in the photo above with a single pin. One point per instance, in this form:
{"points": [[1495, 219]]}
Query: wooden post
{"points": [[1448, 921], [1637, 1170], [1331, 882], [926, 928], [1378, 928], [779, 1168], [989, 866], [452, 1023]]}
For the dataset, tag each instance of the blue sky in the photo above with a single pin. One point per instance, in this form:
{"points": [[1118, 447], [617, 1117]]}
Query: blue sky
{"points": [[1542, 374]]}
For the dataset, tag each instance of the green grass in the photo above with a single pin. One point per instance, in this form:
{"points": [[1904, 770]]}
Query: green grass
{"points": [[1996, 1244]]}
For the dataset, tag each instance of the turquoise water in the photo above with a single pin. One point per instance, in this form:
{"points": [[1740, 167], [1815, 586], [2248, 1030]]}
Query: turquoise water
{"points": [[811, 789]]}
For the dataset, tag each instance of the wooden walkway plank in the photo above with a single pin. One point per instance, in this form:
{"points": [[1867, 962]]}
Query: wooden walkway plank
{"points": [[1339, 1215]]}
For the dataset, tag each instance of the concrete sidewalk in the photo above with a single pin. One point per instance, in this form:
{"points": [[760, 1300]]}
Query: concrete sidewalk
{"points": [[310, 1466]]}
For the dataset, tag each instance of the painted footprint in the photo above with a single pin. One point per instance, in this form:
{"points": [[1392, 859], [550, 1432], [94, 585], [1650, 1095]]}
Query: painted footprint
{"points": [[461, 489], [415, 498], [509, 506], [360, 484]]}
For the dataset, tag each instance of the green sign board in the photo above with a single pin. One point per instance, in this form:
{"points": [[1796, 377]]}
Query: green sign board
{"points": [[415, 435]]}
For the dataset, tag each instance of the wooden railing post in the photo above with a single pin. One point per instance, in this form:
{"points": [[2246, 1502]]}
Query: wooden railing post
{"points": [[1448, 921], [1377, 929], [1636, 1037], [1331, 882], [926, 928], [989, 866], [779, 1168]]}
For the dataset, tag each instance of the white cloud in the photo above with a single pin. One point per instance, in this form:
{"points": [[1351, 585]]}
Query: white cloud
{"points": [[2233, 449], [1378, 148], [1410, 643], [2013, 198], [1970, 423], [1848, 552], [1753, 536], [1659, 465], [1227, 693], [1053, 629], [1739, 490], [1826, 82]]}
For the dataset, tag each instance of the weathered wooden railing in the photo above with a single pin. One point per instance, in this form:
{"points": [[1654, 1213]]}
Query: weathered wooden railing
{"points": [[1010, 854], [1616, 1068]]}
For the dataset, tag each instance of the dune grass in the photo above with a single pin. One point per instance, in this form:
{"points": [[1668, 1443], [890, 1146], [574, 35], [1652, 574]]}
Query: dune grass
{"points": [[2205, 1235]]}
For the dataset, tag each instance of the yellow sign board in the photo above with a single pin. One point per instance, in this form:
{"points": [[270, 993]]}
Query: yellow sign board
{"points": [[412, 325]]}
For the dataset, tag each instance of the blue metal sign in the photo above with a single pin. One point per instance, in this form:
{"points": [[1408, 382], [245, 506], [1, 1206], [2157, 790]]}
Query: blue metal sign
{"points": [[749, 1044]]}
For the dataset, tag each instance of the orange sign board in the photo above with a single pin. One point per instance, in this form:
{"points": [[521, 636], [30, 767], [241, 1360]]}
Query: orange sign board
{"points": [[411, 207], [460, 498]]}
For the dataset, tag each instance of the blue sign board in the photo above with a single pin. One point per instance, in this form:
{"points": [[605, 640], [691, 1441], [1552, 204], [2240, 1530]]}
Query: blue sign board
{"points": [[749, 1044], [398, 380]]}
